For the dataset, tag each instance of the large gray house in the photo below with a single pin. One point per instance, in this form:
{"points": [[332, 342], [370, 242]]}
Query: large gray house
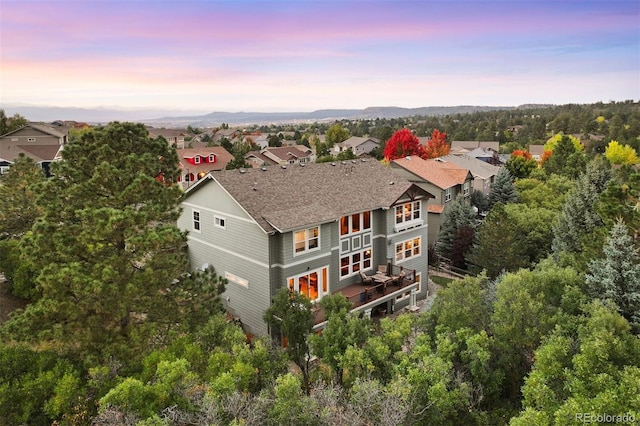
{"points": [[315, 228]]}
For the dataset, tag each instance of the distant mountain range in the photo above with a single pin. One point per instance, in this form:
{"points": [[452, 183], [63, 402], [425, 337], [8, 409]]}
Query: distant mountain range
{"points": [[176, 118]]}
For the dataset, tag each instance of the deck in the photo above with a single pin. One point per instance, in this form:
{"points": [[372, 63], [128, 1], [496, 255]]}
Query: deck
{"points": [[367, 296]]}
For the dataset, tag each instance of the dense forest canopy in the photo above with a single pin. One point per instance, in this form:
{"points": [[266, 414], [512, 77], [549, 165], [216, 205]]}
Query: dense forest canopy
{"points": [[545, 331]]}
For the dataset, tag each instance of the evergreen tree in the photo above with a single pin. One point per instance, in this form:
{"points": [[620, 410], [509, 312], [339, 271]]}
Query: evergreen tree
{"points": [[617, 276], [457, 232], [503, 190], [500, 244], [568, 158], [110, 258], [18, 191], [579, 216]]}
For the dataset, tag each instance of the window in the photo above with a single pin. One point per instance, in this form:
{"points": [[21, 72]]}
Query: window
{"points": [[220, 222], [408, 249], [465, 189], [196, 159], [313, 284], [407, 212], [355, 243], [352, 263], [31, 139], [306, 240], [212, 158], [447, 195], [196, 220], [355, 223]]}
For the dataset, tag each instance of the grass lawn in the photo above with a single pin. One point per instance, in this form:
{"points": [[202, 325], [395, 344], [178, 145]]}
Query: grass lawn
{"points": [[441, 281]]}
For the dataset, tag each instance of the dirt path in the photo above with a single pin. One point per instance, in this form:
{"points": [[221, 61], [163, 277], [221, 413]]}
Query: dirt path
{"points": [[8, 302]]}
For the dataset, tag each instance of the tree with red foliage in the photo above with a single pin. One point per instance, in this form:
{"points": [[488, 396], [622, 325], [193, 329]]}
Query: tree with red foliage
{"points": [[401, 144], [437, 146], [522, 153]]}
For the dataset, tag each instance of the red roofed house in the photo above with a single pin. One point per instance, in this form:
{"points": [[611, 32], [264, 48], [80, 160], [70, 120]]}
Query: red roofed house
{"points": [[197, 162], [444, 179], [39, 142]]}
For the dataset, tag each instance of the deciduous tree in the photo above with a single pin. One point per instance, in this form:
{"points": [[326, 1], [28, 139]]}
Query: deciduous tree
{"points": [[437, 145], [520, 164], [401, 144], [290, 317], [621, 154], [336, 134]]}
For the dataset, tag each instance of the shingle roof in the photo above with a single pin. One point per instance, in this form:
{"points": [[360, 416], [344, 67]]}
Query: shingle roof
{"points": [[331, 190], [222, 158], [442, 174], [355, 141], [475, 144], [478, 168]]}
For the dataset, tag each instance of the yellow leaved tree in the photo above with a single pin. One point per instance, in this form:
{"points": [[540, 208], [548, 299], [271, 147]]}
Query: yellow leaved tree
{"points": [[621, 154]]}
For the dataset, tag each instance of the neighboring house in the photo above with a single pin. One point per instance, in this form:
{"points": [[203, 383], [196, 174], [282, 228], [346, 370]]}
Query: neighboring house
{"points": [[536, 151], [444, 179], [312, 228], [471, 145], [487, 155], [261, 140], [229, 134], [42, 143], [195, 163], [296, 154], [173, 136], [359, 145], [483, 172]]}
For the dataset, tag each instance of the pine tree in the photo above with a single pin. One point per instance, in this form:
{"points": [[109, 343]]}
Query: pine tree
{"points": [[457, 232], [18, 191], [503, 190], [501, 245], [579, 216], [111, 261], [617, 276]]}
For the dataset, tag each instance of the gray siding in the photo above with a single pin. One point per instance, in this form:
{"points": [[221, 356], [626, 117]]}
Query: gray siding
{"points": [[241, 249]]}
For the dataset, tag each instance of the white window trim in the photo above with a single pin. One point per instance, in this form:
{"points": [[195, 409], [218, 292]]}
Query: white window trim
{"points": [[198, 221], [212, 158], [465, 188], [196, 159], [447, 195], [321, 292], [411, 223], [404, 249], [350, 225], [306, 241], [220, 222], [360, 262]]}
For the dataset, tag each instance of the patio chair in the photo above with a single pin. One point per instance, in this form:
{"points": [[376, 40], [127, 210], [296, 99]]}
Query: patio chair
{"points": [[365, 278], [382, 269], [399, 280]]}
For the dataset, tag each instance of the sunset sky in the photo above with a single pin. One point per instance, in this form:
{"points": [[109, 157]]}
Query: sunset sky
{"points": [[305, 55]]}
